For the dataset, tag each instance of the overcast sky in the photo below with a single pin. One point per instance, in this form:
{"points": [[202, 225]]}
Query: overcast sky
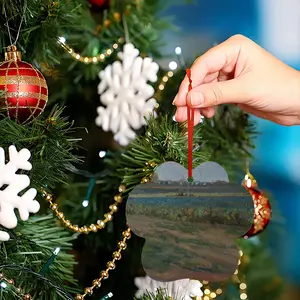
{"points": [[206, 172]]}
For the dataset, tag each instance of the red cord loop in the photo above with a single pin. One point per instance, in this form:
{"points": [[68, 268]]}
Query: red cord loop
{"points": [[190, 121]]}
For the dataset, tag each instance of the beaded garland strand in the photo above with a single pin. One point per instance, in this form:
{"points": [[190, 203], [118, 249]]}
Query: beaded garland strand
{"points": [[111, 265], [100, 224], [90, 59], [104, 274]]}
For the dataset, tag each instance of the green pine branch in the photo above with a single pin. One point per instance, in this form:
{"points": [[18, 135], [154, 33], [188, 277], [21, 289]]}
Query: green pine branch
{"points": [[51, 145], [225, 142], [230, 138], [164, 141], [139, 23], [31, 245], [43, 22]]}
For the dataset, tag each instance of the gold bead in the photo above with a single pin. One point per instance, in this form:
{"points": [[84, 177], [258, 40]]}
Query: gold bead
{"points": [[108, 216], [122, 245], [117, 255], [118, 198], [79, 297], [61, 215], [111, 265], [27, 297], [113, 207], [97, 283], [76, 228], [88, 291], [152, 164], [122, 188], [54, 206], [11, 281], [48, 197], [145, 180], [106, 23], [68, 223], [117, 16], [104, 274], [1, 275], [93, 227], [101, 224], [85, 230], [126, 234]]}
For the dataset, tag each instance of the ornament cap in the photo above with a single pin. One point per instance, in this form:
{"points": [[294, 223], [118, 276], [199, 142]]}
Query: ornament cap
{"points": [[13, 53]]}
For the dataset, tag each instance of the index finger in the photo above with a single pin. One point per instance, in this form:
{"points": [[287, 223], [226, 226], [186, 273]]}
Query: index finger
{"points": [[220, 57]]}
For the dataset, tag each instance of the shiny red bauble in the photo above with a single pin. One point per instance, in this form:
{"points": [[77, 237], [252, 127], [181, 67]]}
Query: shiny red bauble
{"points": [[25, 89], [262, 207], [100, 3]]}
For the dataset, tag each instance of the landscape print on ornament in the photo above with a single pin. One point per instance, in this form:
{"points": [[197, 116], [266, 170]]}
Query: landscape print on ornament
{"points": [[190, 229]]}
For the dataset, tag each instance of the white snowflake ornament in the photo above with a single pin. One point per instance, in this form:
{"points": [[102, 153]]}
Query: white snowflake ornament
{"points": [[183, 289], [12, 184], [126, 94]]}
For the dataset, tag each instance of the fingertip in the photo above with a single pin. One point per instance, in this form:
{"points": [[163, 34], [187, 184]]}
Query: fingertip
{"points": [[208, 112], [181, 114], [180, 99], [197, 117]]}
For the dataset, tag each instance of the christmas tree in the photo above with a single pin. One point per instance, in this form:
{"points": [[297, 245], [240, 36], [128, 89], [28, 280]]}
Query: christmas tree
{"points": [[84, 143]]}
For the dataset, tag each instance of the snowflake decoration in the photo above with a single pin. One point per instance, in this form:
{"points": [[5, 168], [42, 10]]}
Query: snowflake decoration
{"points": [[126, 94], [183, 289], [12, 185]]}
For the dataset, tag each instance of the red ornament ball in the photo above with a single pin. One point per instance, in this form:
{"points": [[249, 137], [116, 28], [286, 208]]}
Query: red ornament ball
{"points": [[262, 207], [100, 3], [26, 90]]}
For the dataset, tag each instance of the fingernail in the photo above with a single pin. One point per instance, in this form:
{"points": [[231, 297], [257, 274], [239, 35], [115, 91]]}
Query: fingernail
{"points": [[197, 99], [173, 103]]}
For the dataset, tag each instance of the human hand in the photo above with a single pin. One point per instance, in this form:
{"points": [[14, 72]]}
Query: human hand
{"points": [[240, 72]]}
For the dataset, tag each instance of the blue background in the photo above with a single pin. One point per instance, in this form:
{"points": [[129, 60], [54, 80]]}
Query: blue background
{"points": [[277, 154]]}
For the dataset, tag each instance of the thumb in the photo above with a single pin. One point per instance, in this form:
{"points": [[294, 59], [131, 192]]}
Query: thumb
{"points": [[212, 94]]}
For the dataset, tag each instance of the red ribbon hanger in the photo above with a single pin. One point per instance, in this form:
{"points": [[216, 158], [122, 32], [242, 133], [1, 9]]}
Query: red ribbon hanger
{"points": [[190, 121]]}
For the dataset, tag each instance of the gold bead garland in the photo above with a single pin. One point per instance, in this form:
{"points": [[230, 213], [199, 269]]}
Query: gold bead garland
{"points": [[91, 59], [149, 168], [163, 83], [104, 274], [111, 265], [100, 224]]}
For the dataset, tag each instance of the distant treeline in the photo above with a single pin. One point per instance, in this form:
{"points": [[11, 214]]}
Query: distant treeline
{"points": [[208, 215], [195, 183]]}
